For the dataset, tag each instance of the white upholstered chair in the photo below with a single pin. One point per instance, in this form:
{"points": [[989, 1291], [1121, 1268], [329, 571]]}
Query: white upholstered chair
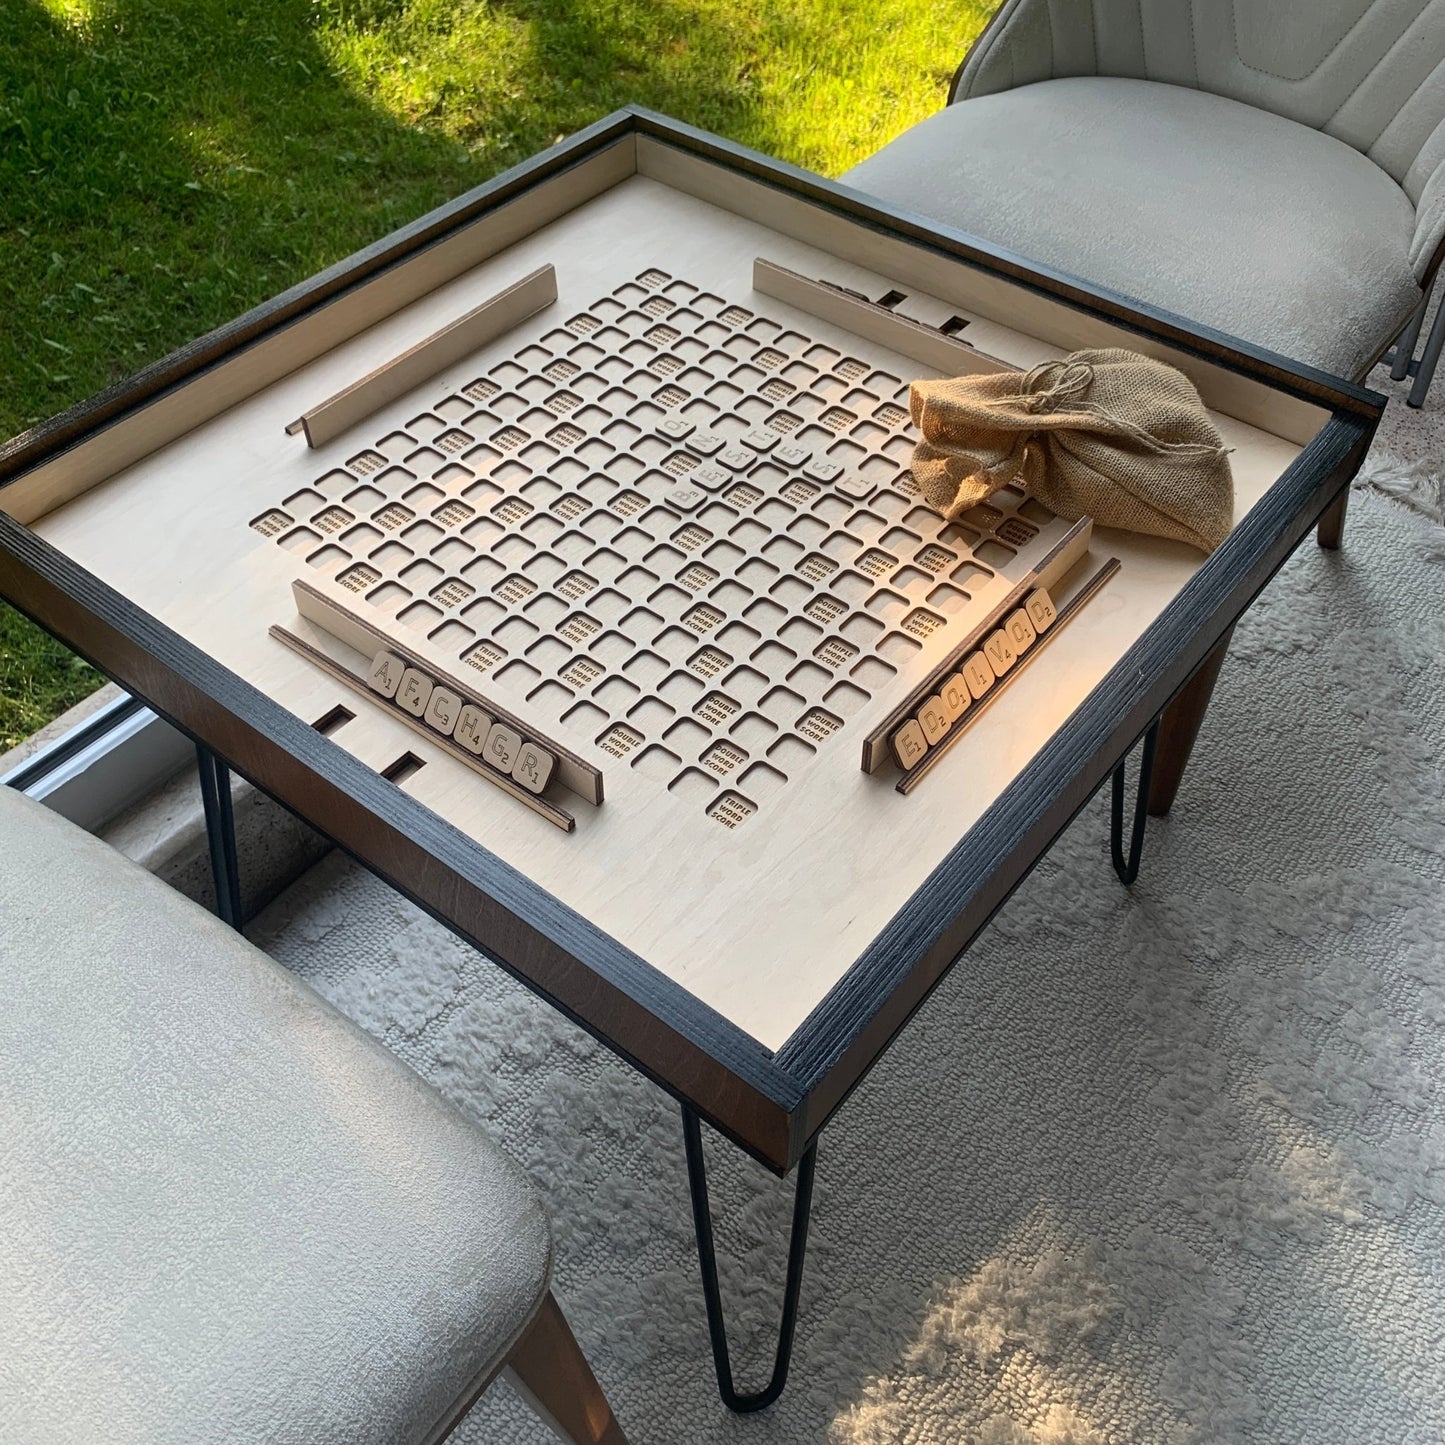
{"points": [[1273, 169], [226, 1213]]}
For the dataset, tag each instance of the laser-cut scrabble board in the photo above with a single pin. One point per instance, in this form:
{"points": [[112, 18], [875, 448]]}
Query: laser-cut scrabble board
{"points": [[538, 449], [674, 527]]}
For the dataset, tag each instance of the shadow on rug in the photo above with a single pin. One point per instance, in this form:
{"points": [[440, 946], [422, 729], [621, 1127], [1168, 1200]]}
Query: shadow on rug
{"points": [[1158, 1165]]}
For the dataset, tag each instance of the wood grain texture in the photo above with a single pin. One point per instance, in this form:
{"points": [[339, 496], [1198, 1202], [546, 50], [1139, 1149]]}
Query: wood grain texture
{"points": [[833, 1050], [548, 1369], [1331, 531], [925, 344], [468, 333], [558, 817], [1179, 726], [142, 532]]}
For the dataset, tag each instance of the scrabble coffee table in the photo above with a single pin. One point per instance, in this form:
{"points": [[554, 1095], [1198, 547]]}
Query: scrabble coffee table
{"points": [[557, 556]]}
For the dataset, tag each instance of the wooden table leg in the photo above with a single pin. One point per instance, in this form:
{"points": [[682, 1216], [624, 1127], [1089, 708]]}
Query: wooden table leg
{"points": [[1179, 726], [550, 1372], [1332, 522]]}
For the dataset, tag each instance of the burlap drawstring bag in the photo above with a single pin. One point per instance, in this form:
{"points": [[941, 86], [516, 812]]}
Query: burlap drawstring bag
{"points": [[1108, 434]]}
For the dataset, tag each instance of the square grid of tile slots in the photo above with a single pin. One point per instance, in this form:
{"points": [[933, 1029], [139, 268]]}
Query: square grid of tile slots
{"points": [[681, 529]]}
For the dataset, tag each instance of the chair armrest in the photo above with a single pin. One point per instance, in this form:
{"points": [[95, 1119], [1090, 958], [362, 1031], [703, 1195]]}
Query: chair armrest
{"points": [[1028, 41], [1427, 246]]}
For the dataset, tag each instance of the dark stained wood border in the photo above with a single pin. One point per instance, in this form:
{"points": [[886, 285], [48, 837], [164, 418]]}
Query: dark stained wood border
{"points": [[770, 1106], [627, 1004], [833, 1048]]}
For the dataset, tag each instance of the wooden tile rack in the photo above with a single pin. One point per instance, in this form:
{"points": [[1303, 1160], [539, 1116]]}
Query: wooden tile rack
{"points": [[1061, 559], [873, 321], [959, 716], [468, 333], [542, 806], [338, 615]]}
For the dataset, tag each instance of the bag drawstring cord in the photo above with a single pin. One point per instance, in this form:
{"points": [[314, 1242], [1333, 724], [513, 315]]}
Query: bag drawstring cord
{"points": [[1072, 379], [1057, 386]]}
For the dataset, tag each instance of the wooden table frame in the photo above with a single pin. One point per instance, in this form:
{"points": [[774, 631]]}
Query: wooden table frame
{"points": [[772, 1104]]}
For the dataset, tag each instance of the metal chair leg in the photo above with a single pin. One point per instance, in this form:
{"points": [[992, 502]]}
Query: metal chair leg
{"points": [[220, 835], [1428, 359], [1128, 868], [1403, 352], [707, 1263]]}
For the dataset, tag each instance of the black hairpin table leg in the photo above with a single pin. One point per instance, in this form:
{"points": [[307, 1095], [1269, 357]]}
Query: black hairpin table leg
{"points": [[707, 1261], [1128, 869], [220, 834]]}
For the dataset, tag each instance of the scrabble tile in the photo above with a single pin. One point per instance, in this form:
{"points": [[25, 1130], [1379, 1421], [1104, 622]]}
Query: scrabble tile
{"points": [[954, 694], [822, 470], [977, 673], [760, 438], [1041, 610], [533, 767], [676, 427], [1020, 630], [709, 476], [705, 443], [472, 728], [791, 454], [909, 744], [441, 710], [1000, 653], [736, 457], [502, 747], [684, 498], [934, 720], [386, 673], [414, 692]]}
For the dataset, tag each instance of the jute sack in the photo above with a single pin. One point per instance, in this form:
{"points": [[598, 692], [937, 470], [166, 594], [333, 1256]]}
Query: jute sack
{"points": [[1108, 434]]}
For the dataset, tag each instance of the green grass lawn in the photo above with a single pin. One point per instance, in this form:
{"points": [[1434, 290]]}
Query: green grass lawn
{"points": [[166, 164]]}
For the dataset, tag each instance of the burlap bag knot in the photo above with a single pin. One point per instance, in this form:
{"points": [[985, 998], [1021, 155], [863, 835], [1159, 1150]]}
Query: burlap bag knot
{"points": [[1107, 434]]}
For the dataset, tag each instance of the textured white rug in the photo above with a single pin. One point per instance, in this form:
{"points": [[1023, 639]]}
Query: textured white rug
{"points": [[1159, 1165]]}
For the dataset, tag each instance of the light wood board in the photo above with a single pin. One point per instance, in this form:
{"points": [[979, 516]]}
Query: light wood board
{"points": [[757, 920], [494, 317]]}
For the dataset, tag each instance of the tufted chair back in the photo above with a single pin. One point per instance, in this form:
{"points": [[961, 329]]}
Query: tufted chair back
{"points": [[1370, 73]]}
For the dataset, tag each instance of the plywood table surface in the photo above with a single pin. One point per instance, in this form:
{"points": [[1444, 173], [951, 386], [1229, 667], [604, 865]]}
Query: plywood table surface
{"points": [[758, 921]]}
